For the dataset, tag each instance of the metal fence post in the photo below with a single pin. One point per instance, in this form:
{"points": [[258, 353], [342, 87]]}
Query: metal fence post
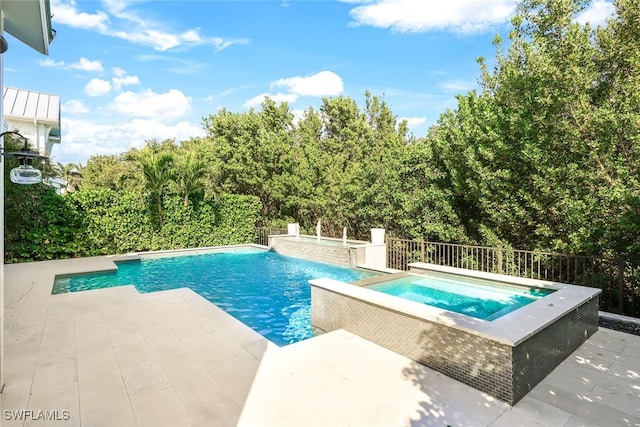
{"points": [[500, 259], [388, 243]]}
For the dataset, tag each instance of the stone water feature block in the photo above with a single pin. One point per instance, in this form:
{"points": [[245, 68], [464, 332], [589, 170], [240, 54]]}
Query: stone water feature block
{"points": [[377, 236], [329, 251], [293, 229]]}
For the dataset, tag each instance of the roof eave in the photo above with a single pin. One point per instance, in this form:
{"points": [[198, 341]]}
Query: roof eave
{"points": [[30, 22]]}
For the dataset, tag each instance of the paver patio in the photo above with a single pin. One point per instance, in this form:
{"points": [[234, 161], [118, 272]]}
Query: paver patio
{"points": [[114, 357]]}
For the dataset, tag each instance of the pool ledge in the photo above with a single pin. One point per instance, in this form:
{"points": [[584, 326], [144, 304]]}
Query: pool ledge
{"points": [[109, 263], [72, 267], [196, 251]]}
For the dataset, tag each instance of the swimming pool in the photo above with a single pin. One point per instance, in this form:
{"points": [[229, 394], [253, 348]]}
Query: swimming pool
{"points": [[266, 291], [476, 298]]}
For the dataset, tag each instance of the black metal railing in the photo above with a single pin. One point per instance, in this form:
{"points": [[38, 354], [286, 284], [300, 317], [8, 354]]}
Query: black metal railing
{"points": [[263, 233], [618, 277]]}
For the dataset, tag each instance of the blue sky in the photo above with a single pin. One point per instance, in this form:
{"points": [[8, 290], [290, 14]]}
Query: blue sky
{"points": [[131, 70]]}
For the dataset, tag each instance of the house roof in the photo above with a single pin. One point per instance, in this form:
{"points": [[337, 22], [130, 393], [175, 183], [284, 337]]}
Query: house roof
{"points": [[32, 105], [30, 22]]}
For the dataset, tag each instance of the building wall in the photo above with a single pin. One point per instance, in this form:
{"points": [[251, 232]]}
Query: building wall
{"points": [[36, 132]]}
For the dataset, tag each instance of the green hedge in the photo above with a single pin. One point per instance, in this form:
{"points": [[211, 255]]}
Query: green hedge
{"points": [[42, 225]]}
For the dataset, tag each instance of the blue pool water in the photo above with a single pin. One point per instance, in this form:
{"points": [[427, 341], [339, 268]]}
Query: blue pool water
{"points": [[267, 291], [476, 298]]}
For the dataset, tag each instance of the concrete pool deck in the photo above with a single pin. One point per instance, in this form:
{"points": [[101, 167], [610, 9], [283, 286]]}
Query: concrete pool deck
{"points": [[114, 357]]}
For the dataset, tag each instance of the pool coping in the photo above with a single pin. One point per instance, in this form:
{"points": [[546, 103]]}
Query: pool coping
{"points": [[194, 251], [108, 263], [511, 329], [306, 238]]}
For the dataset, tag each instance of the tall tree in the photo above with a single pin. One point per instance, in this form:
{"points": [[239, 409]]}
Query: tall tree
{"points": [[520, 154], [115, 172], [157, 169], [189, 175], [72, 173], [253, 153], [614, 132], [310, 164]]}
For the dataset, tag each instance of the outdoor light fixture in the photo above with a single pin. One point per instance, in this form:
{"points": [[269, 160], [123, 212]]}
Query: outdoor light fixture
{"points": [[25, 173]]}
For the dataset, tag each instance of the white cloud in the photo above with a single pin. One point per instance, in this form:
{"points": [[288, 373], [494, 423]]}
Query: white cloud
{"points": [[152, 57], [165, 40], [83, 64], [192, 36], [74, 106], [277, 98], [188, 68], [118, 82], [597, 13], [86, 65], [175, 64], [117, 7], [118, 72], [413, 121], [97, 87], [161, 130], [50, 63], [463, 16], [298, 115], [456, 86], [122, 23], [149, 104], [157, 39], [220, 44], [122, 79], [65, 12], [81, 139], [324, 83]]}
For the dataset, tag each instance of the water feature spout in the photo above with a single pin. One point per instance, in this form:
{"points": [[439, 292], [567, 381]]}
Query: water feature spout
{"points": [[344, 236], [293, 229], [318, 229]]}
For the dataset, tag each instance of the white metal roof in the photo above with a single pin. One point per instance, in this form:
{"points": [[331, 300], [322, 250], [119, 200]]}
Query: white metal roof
{"points": [[28, 104]]}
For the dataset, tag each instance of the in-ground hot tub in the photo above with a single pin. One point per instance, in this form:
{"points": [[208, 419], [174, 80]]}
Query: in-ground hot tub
{"points": [[504, 354]]}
